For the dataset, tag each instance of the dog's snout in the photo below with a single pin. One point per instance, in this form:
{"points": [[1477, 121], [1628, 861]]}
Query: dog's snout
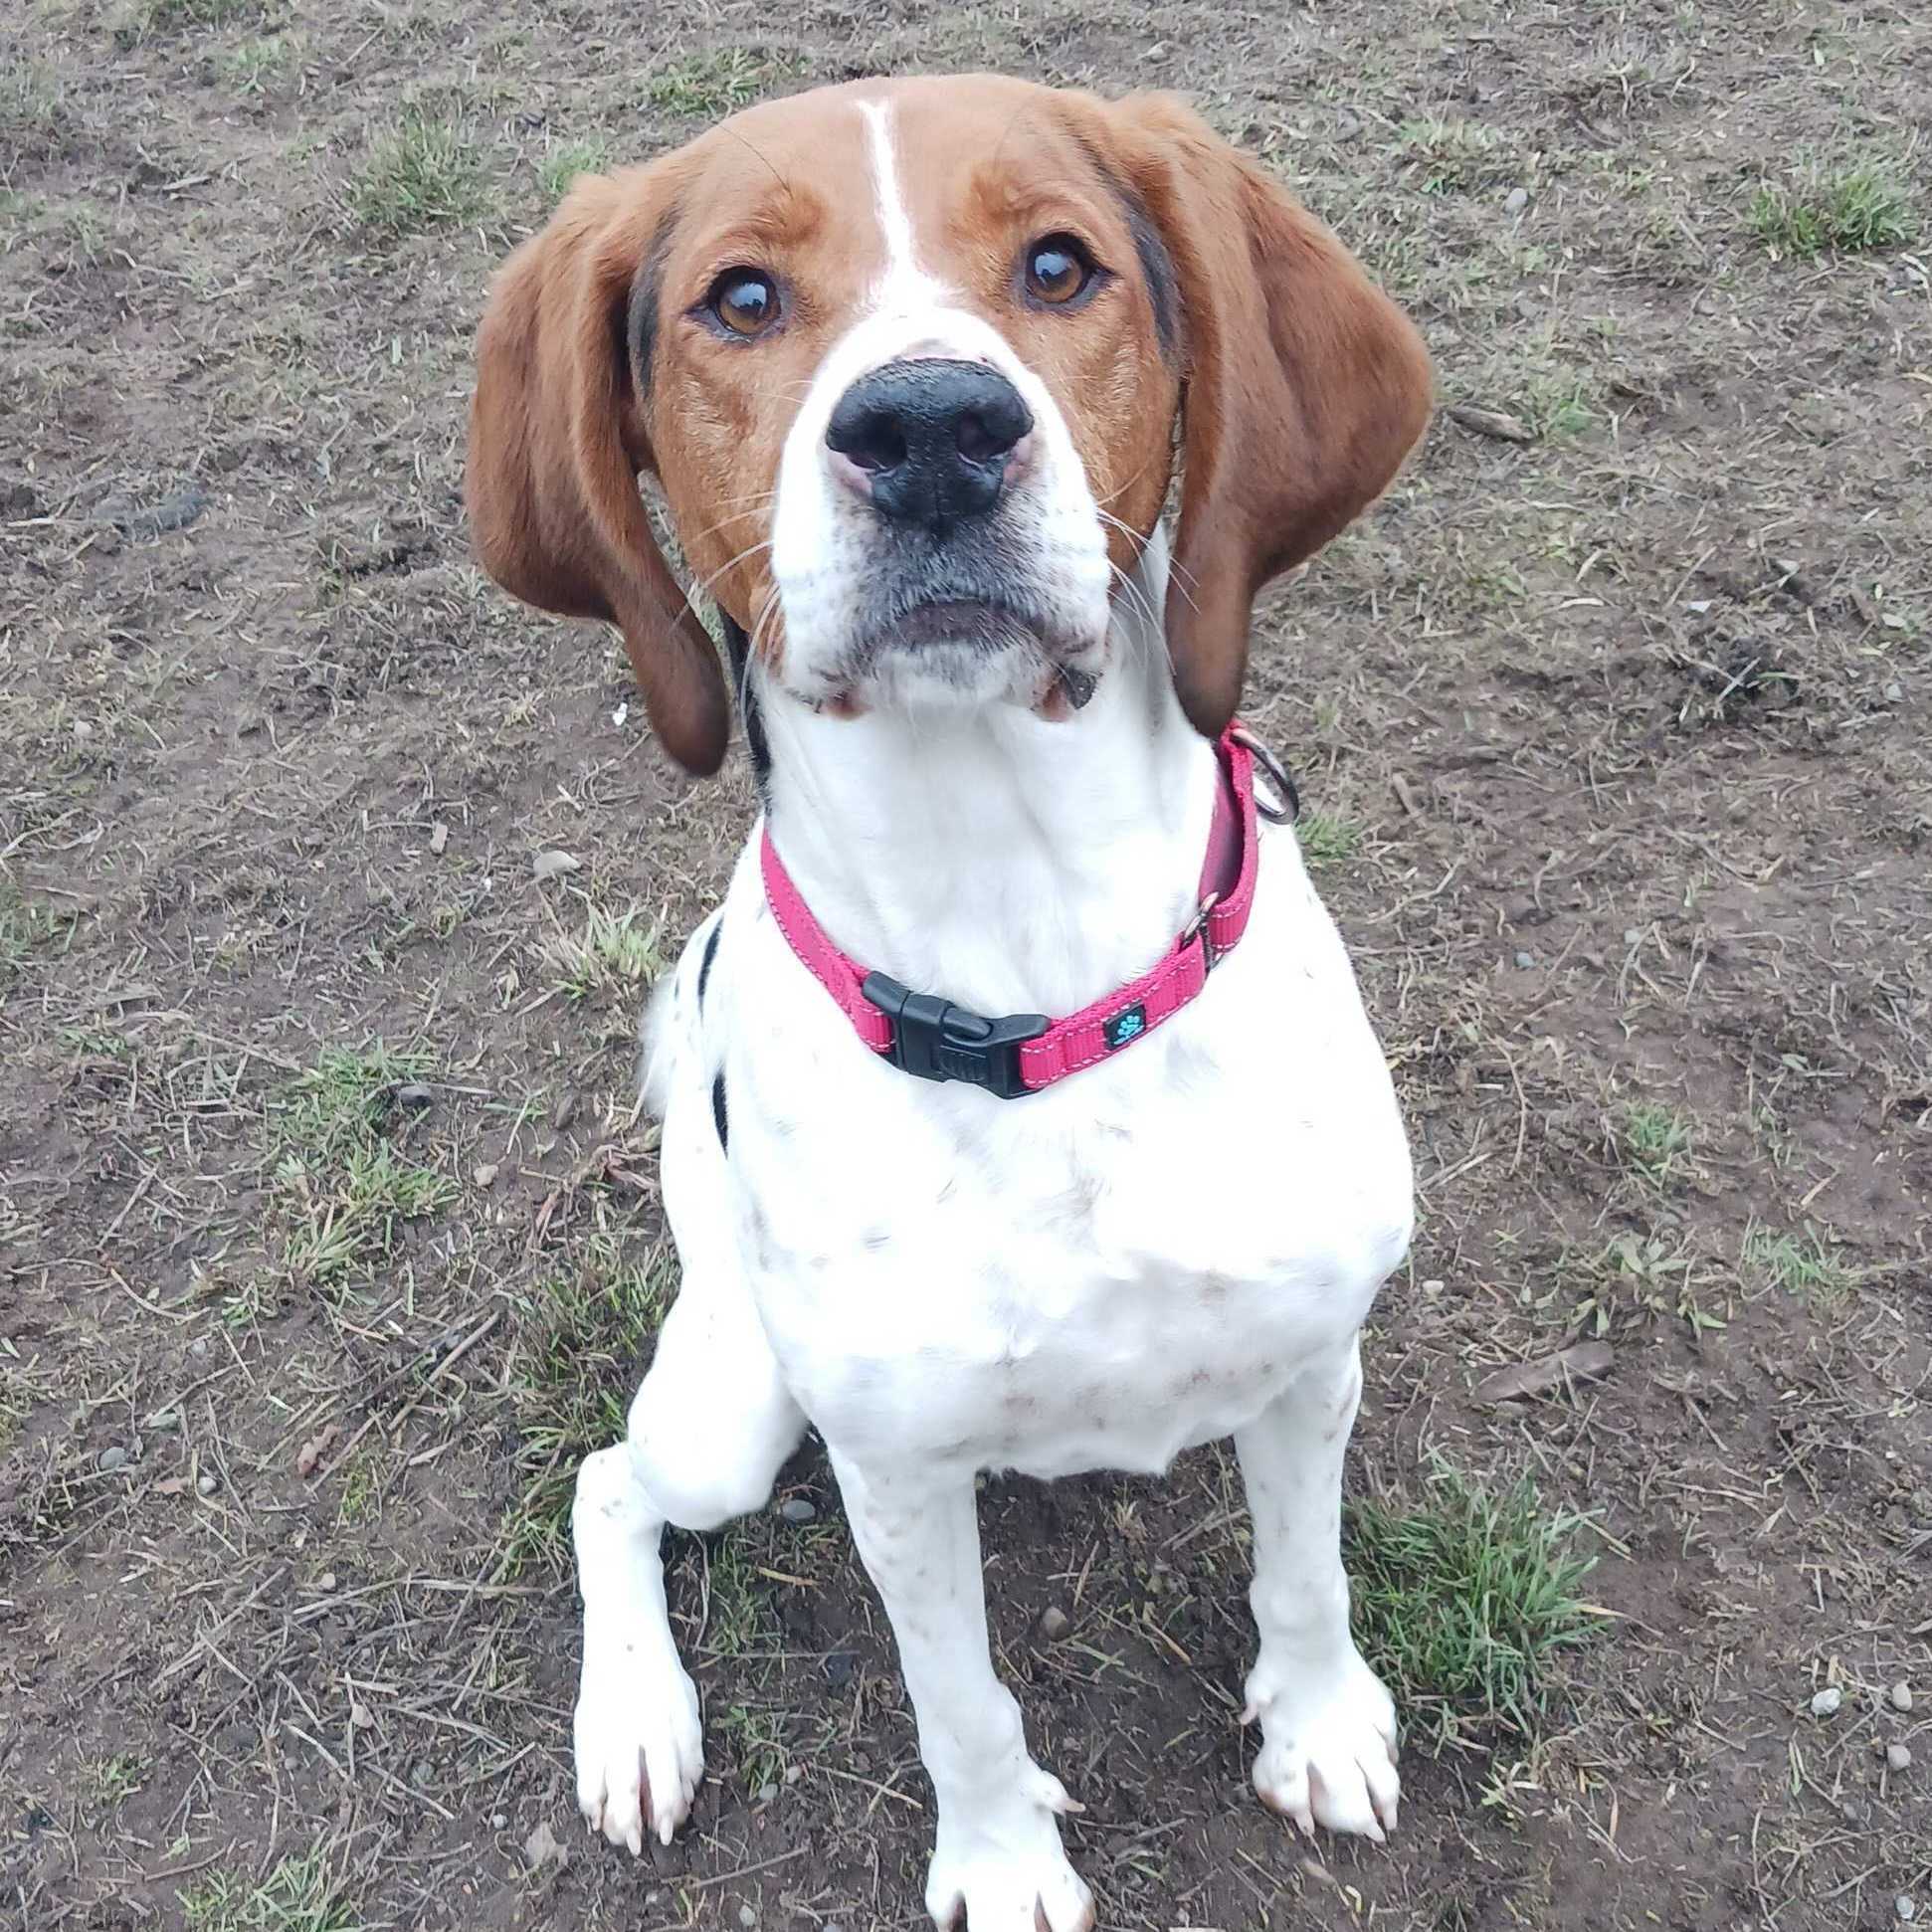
{"points": [[929, 441]]}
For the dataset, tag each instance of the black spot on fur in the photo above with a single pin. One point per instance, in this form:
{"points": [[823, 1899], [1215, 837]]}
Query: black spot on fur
{"points": [[704, 964], [1156, 264], [737, 648], [718, 1117], [640, 319]]}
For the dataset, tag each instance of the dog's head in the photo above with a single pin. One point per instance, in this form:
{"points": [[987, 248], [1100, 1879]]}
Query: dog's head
{"points": [[909, 360]]}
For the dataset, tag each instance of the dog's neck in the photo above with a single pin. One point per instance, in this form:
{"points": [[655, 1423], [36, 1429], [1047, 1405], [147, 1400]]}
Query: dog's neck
{"points": [[1008, 863]]}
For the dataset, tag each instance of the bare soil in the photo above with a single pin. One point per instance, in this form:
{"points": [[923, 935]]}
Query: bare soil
{"points": [[1617, 739]]}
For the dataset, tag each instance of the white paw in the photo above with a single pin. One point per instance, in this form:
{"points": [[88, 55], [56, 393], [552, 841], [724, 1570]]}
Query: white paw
{"points": [[1328, 1747], [1002, 1866], [640, 1745]]}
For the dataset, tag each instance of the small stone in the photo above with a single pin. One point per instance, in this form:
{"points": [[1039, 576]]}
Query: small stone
{"points": [[747, 1917], [485, 1174], [1898, 1757], [413, 1093], [114, 1458], [564, 1113], [1524, 961], [549, 865], [1906, 1908], [1894, 692], [543, 1848], [206, 1484], [361, 1716], [420, 1774], [792, 1773], [796, 1510], [1054, 1623], [1826, 1703], [1633, 935], [1901, 1695], [325, 1582], [1515, 201], [163, 1420], [767, 1792], [439, 838], [198, 1348], [497, 1822]]}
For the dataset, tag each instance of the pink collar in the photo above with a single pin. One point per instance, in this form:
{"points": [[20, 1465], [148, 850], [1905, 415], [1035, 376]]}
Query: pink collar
{"points": [[926, 1035]]}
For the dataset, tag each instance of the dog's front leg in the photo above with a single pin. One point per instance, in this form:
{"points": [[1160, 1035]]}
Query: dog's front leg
{"points": [[998, 1854], [1328, 1727]]}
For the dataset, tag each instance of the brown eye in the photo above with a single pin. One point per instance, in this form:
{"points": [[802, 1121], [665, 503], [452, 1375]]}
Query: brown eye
{"points": [[1057, 268], [745, 300]]}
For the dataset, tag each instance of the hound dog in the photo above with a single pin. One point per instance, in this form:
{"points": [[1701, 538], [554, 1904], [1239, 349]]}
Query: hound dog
{"points": [[1019, 1106]]}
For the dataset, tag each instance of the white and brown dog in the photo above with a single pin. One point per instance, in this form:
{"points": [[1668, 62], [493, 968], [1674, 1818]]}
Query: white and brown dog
{"points": [[912, 362]]}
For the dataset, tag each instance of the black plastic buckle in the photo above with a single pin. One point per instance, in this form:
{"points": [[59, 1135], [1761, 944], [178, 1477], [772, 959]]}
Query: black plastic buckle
{"points": [[938, 1041]]}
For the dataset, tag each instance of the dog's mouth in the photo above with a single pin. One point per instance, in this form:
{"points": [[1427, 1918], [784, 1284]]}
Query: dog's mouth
{"points": [[977, 625], [954, 639]]}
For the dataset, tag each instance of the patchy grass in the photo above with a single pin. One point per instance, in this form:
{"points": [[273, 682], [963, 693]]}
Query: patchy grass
{"points": [[565, 162], [755, 1737], [615, 951], [1654, 1139], [736, 1601], [258, 65], [24, 926], [1443, 157], [151, 17], [337, 1172], [1326, 841], [1804, 1264], [1462, 1601], [580, 1351], [299, 1896], [112, 1779], [420, 173], [33, 109], [719, 81], [1850, 210]]}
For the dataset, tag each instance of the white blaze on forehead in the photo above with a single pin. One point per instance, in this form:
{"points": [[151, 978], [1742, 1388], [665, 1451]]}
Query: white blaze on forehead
{"points": [[904, 285]]}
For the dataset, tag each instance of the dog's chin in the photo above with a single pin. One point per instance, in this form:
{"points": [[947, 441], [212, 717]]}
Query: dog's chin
{"points": [[963, 654]]}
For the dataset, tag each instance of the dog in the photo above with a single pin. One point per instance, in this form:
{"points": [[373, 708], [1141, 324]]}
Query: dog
{"points": [[1019, 1106]]}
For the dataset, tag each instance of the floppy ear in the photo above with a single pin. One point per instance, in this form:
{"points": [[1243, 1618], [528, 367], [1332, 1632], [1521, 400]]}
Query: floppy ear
{"points": [[1303, 387], [556, 441]]}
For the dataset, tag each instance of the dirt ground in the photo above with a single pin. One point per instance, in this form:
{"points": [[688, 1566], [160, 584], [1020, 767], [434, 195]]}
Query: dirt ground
{"points": [[330, 883]]}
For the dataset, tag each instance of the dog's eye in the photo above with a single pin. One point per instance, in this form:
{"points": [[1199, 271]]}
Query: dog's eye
{"points": [[1057, 268], [745, 300]]}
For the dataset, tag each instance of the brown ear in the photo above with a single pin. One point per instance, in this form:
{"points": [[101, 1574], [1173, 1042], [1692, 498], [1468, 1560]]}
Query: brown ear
{"points": [[1304, 388], [556, 441]]}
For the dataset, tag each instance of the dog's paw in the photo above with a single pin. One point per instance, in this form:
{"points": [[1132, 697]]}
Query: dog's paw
{"points": [[1328, 1748], [640, 1745], [1001, 1866]]}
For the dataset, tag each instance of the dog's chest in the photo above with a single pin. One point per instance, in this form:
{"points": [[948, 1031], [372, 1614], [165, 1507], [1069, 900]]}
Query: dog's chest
{"points": [[1098, 1276]]}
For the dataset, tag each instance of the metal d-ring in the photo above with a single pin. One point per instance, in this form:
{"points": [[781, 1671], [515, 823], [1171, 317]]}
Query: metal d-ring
{"points": [[1277, 775]]}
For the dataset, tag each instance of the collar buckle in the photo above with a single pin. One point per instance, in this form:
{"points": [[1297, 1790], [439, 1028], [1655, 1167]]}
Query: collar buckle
{"points": [[938, 1041], [1198, 928]]}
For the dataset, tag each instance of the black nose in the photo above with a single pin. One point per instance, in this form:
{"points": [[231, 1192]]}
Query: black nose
{"points": [[933, 434]]}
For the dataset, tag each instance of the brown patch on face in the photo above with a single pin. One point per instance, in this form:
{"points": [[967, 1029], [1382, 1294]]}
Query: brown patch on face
{"points": [[785, 189], [1099, 356]]}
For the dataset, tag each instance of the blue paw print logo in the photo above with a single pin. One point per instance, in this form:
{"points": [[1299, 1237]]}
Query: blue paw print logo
{"points": [[1129, 1024]]}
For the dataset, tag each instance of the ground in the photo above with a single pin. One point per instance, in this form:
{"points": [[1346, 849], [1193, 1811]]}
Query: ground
{"points": [[330, 882]]}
